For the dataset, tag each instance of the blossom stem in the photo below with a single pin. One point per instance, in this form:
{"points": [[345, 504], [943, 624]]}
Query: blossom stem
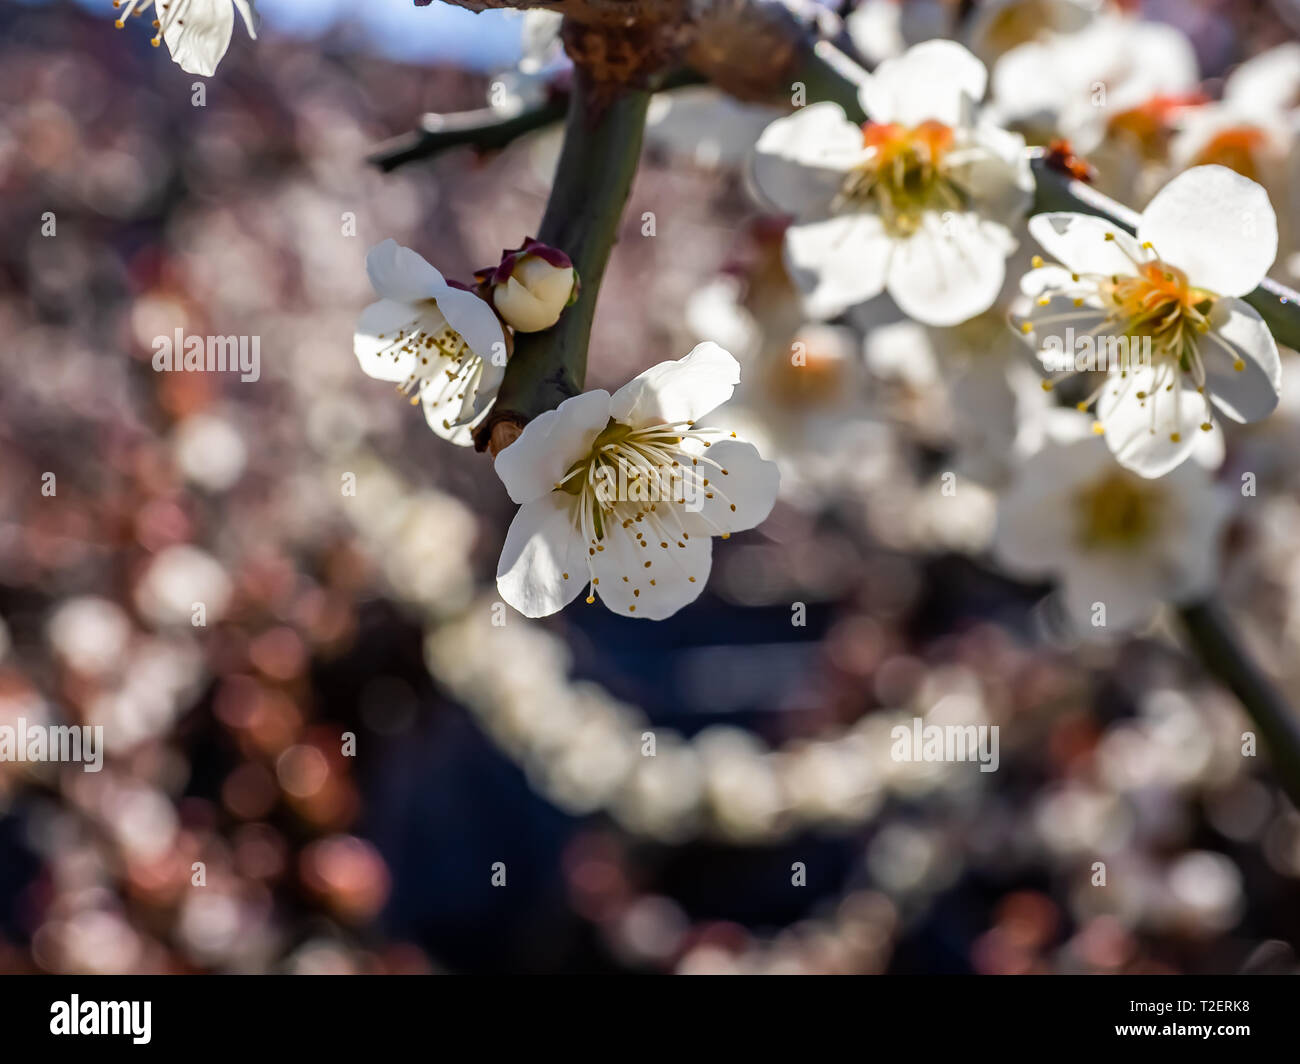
{"points": [[602, 146], [1221, 652]]}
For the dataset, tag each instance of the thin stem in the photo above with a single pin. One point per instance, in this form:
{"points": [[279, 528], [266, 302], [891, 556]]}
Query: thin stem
{"points": [[602, 146], [488, 130], [484, 130], [1221, 651]]}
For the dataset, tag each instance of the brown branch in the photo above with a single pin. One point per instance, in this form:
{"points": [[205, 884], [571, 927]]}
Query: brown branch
{"points": [[607, 12]]}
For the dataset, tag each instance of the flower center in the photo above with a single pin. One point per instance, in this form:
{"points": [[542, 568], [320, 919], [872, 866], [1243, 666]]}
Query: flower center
{"points": [[809, 375], [1017, 24], [627, 465], [1158, 302], [903, 174], [1149, 126], [640, 481], [429, 339], [1235, 148], [1116, 512]]}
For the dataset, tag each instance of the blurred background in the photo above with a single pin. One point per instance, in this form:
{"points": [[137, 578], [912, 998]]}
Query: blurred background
{"points": [[495, 810]]}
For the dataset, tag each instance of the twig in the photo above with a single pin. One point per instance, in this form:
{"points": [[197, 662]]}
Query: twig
{"points": [[488, 130], [1220, 650], [484, 129]]}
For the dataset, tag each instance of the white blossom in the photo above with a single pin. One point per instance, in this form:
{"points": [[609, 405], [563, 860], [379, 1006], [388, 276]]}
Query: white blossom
{"points": [[622, 494], [440, 342], [1160, 314], [918, 202], [197, 32], [1107, 537]]}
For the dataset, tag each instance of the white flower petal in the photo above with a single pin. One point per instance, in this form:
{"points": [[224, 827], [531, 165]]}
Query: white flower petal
{"points": [[377, 329], [1216, 226], [245, 8], [838, 262], [800, 160], [399, 273], [951, 269], [449, 401], [997, 176], [550, 444], [1035, 532], [937, 80], [625, 569], [743, 496], [676, 391], [200, 37], [476, 322], [1250, 393], [1078, 242], [1129, 591], [541, 547], [1268, 81], [1145, 445]]}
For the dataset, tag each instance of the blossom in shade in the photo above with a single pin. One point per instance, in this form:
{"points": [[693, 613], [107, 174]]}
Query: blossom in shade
{"points": [[441, 343], [1117, 545]]}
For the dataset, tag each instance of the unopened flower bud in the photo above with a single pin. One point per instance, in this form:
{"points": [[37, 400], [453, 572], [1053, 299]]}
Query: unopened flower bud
{"points": [[532, 286]]}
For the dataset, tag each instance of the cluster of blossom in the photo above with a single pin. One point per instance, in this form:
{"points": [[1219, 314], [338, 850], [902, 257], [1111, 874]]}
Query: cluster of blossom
{"points": [[925, 203], [1129, 517]]}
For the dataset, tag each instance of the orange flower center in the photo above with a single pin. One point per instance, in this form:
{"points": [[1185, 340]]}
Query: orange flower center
{"points": [[903, 174], [1236, 148], [1159, 302]]}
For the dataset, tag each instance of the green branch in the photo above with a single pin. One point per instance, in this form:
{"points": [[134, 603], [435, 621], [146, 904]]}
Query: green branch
{"points": [[488, 130], [484, 130], [602, 146], [1222, 653]]}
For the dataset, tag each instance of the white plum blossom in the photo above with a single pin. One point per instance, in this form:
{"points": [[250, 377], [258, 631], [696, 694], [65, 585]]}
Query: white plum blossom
{"points": [[1109, 538], [441, 342], [1073, 84], [918, 202], [1253, 130], [197, 32], [1160, 314], [622, 494]]}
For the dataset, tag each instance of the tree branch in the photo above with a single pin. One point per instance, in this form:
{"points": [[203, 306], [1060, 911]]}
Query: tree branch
{"points": [[484, 130], [602, 146], [1223, 655], [618, 12], [488, 130]]}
